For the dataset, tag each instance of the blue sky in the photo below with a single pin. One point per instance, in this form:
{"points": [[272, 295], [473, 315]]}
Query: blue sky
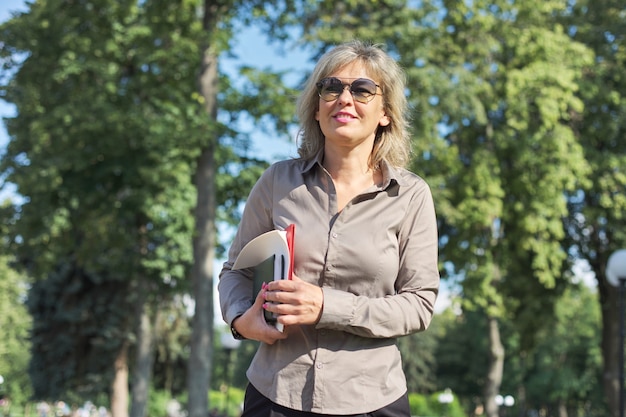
{"points": [[6, 7], [251, 47]]}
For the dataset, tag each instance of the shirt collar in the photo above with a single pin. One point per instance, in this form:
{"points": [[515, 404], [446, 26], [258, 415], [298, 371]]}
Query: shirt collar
{"points": [[317, 160], [390, 174]]}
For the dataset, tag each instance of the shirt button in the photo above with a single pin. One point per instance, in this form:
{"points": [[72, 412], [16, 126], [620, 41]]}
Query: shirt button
{"points": [[334, 234], [319, 365]]}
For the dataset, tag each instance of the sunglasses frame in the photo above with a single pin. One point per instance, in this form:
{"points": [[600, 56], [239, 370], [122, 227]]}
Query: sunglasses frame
{"points": [[357, 96]]}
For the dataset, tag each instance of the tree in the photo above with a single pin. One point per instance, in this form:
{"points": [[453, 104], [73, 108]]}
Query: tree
{"points": [[564, 369], [461, 336], [110, 132], [216, 14], [596, 223], [558, 376], [505, 100], [15, 323], [493, 87], [172, 334], [419, 361], [99, 222]]}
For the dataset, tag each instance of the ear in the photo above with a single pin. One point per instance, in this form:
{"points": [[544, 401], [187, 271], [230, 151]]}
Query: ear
{"points": [[317, 115], [384, 120]]}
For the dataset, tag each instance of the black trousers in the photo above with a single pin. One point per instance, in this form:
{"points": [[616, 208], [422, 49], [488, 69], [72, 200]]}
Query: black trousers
{"points": [[257, 405]]}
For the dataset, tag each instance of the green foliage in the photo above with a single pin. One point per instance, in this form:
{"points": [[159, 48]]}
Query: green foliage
{"points": [[493, 88], [597, 225], [564, 367], [506, 194], [99, 219], [227, 401], [567, 364], [423, 405], [420, 405], [103, 150], [418, 360], [78, 325], [172, 337], [512, 114], [160, 402], [462, 354], [15, 323], [237, 361]]}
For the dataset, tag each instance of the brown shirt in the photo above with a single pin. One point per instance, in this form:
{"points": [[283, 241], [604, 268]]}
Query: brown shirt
{"points": [[376, 262]]}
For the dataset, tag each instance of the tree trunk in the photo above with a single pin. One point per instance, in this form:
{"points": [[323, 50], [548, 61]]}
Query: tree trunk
{"points": [[610, 343], [119, 388], [201, 340], [145, 359], [199, 372], [202, 333], [562, 409], [496, 367]]}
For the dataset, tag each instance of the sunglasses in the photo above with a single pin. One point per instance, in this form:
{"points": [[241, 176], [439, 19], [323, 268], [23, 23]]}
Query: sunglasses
{"points": [[363, 90]]}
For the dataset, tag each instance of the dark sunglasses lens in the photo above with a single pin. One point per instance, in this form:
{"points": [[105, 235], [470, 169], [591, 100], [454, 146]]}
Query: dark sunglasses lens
{"points": [[331, 86], [362, 89], [363, 86]]}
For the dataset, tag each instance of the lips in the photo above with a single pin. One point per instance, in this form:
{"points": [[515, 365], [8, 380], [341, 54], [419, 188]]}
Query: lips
{"points": [[344, 117]]}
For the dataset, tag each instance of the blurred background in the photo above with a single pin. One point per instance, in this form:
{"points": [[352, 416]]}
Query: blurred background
{"points": [[133, 131]]}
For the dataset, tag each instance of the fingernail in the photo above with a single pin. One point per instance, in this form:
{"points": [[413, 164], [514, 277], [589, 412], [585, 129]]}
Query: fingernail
{"points": [[265, 305], [263, 286]]}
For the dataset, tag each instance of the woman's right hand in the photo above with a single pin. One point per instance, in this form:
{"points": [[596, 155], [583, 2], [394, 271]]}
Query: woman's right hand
{"points": [[252, 324]]}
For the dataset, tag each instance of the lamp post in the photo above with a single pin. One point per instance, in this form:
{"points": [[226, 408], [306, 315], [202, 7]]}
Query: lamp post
{"points": [[616, 275], [230, 344]]}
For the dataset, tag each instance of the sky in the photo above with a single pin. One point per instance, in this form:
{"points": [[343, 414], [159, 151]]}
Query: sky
{"points": [[6, 7], [251, 48]]}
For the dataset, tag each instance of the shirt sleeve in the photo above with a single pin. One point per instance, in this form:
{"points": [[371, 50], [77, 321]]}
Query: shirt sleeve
{"points": [[411, 308], [235, 287]]}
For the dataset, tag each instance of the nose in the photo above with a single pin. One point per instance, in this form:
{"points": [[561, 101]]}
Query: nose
{"points": [[342, 96]]}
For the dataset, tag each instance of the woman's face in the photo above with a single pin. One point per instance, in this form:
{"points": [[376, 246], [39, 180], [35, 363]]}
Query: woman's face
{"points": [[345, 121]]}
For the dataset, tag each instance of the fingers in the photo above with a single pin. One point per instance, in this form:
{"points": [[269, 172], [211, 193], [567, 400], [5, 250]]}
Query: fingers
{"points": [[286, 284], [296, 301], [252, 324]]}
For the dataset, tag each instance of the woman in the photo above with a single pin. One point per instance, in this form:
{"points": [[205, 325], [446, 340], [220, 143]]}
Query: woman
{"points": [[365, 269]]}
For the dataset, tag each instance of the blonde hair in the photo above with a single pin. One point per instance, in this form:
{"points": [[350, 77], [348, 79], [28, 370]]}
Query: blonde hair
{"points": [[392, 142]]}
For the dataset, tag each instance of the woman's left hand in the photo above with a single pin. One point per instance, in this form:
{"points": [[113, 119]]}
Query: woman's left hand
{"points": [[296, 301]]}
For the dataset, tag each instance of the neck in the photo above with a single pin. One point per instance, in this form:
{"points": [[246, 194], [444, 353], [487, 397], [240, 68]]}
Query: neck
{"points": [[346, 167], [351, 164]]}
